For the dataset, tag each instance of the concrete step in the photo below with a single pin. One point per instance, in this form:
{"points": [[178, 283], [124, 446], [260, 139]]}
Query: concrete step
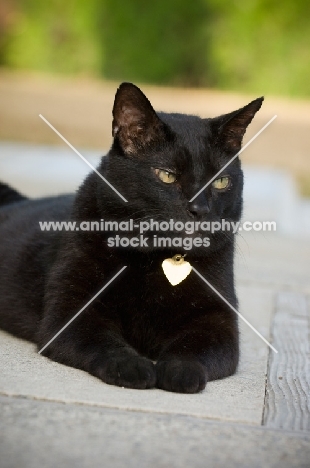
{"points": [[38, 434]]}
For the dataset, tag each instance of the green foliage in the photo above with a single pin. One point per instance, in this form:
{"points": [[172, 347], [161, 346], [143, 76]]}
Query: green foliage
{"points": [[160, 42], [262, 46], [55, 36], [257, 45]]}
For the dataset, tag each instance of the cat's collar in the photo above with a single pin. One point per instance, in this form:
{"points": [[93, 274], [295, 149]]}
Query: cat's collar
{"points": [[176, 269]]}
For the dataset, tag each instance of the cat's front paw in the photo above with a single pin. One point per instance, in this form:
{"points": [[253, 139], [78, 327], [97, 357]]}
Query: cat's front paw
{"points": [[180, 376], [130, 371]]}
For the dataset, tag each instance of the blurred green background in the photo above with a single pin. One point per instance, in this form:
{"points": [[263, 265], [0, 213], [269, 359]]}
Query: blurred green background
{"points": [[237, 45]]}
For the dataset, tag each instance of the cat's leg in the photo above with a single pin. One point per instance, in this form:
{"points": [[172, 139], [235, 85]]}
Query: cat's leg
{"points": [[209, 350], [97, 346], [94, 341]]}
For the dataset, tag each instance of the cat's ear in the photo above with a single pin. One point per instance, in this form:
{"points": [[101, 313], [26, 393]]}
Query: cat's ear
{"points": [[135, 123], [230, 128]]}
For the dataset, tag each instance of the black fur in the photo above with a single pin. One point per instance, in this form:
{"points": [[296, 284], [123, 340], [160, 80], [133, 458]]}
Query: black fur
{"points": [[9, 195], [140, 318]]}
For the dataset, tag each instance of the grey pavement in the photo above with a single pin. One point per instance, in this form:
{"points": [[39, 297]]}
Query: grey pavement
{"points": [[46, 435], [53, 415]]}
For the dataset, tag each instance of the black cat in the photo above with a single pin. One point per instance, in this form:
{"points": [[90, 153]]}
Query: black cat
{"points": [[158, 162]]}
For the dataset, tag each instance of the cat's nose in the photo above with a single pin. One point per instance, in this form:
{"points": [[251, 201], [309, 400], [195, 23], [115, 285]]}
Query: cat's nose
{"points": [[199, 206]]}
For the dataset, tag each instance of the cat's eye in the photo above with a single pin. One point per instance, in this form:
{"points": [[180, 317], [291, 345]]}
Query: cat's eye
{"points": [[166, 176], [221, 183]]}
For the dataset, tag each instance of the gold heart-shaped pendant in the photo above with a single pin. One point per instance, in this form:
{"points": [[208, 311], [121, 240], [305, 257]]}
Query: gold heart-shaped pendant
{"points": [[176, 269]]}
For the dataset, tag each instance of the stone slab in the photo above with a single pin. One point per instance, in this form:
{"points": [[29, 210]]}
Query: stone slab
{"points": [[23, 372], [36, 434]]}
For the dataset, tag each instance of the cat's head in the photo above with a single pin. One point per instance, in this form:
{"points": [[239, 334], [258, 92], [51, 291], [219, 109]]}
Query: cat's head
{"points": [[159, 162]]}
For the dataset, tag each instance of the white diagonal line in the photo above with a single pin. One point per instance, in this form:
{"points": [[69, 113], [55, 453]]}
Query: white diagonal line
{"points": [[235, 310], [82, 157], [80, 311], [234, 157]]}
